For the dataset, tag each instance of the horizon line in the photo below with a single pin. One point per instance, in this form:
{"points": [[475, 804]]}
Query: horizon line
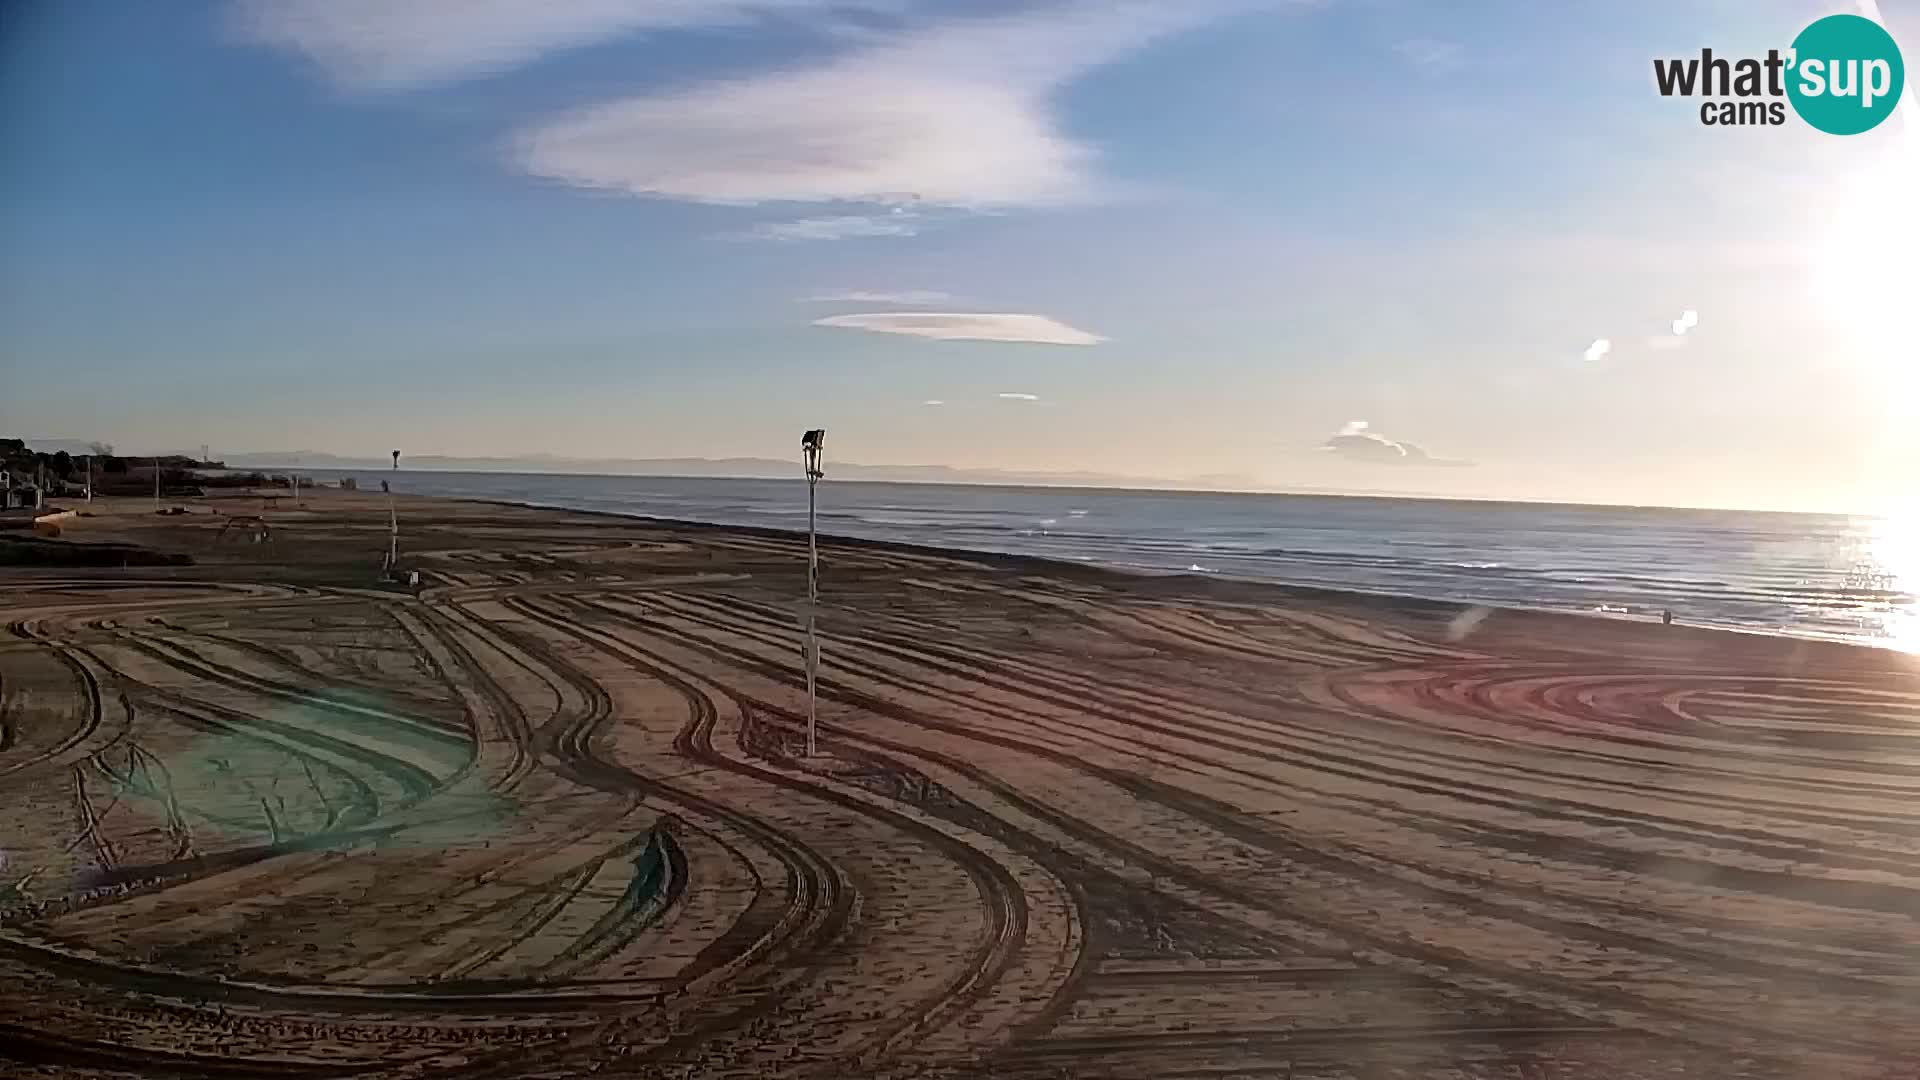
{"points": [[1122, 484]]}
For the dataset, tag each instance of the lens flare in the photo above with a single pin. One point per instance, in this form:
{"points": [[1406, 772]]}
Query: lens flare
{"points": [[1864, 268]]}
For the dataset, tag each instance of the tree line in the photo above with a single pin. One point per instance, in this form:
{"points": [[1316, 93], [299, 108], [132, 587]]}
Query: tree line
{"points": [[114, 474]]}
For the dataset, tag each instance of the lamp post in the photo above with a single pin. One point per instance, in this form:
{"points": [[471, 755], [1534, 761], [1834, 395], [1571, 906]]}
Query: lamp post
{"points": [[810, 444], [393, 523]]}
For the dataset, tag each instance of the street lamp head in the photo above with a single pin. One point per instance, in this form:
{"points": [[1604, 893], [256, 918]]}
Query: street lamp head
{"points": [[396, 459], [810, 446]]}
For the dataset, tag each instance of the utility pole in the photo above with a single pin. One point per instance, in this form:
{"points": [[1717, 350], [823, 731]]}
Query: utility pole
{"points": [[810, 447], [89, 461], [156, 483]]}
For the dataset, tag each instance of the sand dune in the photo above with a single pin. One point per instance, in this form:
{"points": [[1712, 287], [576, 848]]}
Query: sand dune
{"points": [[264, 817]]}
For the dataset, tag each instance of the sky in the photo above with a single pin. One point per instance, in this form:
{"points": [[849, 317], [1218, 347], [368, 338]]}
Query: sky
{"points": [[1454, 249]]}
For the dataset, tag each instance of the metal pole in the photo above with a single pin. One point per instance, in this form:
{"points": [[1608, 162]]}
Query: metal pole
{"points": [[813, 637], [156, 483], [393, 522], [810, 450], [89, 477]]}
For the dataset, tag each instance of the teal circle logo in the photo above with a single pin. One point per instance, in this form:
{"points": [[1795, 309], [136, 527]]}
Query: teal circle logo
{"points": [[1846, 74]]}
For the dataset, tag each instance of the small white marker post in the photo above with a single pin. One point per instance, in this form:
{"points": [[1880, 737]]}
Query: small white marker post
{"points": [[810, 444]]}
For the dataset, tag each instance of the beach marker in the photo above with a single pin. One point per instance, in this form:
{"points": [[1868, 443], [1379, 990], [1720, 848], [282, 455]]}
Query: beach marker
{"points": [[810, 444]]}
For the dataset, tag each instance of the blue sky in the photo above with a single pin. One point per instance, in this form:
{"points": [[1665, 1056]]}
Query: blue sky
{"points": [[1200, 239]]}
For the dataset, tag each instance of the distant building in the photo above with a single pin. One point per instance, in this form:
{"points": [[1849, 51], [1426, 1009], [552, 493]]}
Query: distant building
{"points": [[21, 494]]}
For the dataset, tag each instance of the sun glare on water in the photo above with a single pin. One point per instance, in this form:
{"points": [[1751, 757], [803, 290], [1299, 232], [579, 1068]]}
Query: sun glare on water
{"points": [[1895, 549], [1867, 283]]}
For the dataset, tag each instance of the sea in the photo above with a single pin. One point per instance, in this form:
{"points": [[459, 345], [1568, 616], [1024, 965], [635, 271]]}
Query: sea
{"points": [[1811, 575]]}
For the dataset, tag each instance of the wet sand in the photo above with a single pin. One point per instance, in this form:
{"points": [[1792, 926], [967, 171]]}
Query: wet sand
{"points": [[264, 816]]}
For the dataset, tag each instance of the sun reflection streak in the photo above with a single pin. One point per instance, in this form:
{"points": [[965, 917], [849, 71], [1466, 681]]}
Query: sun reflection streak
{"points": [[1895, 551]]}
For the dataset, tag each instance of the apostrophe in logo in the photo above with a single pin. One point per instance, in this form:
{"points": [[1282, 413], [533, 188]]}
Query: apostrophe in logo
{"points": [[1843, 75], [1847, 74]]}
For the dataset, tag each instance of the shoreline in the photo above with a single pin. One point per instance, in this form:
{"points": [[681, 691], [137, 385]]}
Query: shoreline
{"points": [[1212, 584], [1060, 566], [1817, 577]]}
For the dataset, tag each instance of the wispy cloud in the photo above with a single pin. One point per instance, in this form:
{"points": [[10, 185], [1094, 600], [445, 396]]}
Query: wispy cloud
{"points": [[903, 297], [933, 402], [1356, 441], [1018, 397], [837, 227], [1430, 55], [918, 110], [400, 44], [952, 114], [981, 326]]}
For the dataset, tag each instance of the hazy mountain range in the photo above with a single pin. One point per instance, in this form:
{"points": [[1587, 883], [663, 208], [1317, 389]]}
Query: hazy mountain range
{"points": [[731, 467], [737, 467]]}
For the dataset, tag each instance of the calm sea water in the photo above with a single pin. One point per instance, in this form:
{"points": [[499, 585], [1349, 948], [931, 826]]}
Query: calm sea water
{"points": [[1805, 574]]}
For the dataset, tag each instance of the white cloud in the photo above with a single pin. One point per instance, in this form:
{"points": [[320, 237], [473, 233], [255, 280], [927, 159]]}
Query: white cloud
{"points": [[903, 297], [1356, 442], [933, 402], [953, 114], [1599, 349], [1429, 54], [982, 326], [1019, 397], [838, 227], [1688, 320], [399, 44]]}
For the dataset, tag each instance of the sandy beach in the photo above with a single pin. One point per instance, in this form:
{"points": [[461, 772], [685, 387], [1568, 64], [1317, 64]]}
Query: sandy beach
{"points": [[265, 816]]}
